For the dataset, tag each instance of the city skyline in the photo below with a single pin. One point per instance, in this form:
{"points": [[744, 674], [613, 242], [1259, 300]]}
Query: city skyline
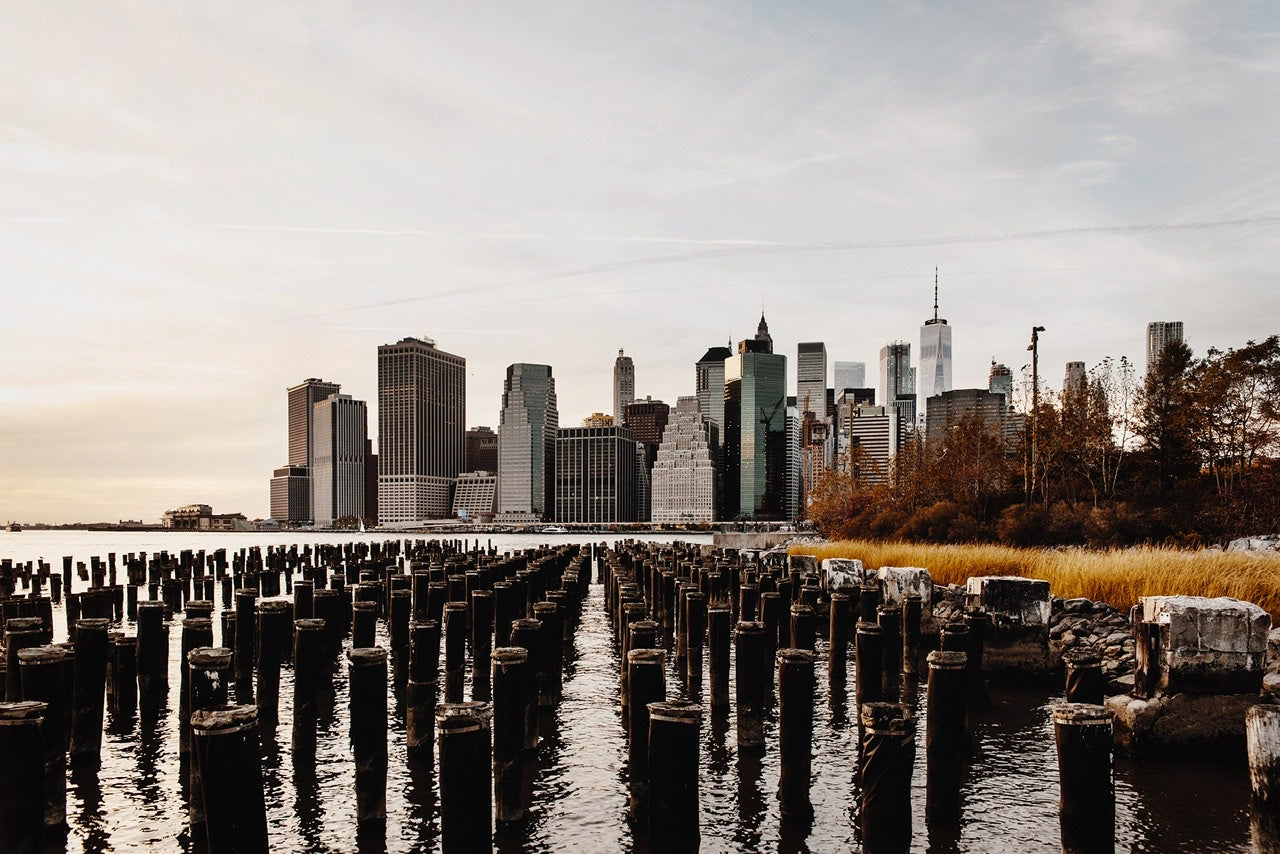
{"points": [[215, 202]]}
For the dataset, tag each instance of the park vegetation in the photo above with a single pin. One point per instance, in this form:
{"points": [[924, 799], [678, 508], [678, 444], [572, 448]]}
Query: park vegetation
{"points": [[1186, 456]]}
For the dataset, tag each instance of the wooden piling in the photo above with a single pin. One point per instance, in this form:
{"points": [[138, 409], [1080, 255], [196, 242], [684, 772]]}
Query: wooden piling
{"points": [[90, 689], [153, 656], [466, 777], [22, 768], [1085, 682], [227, 752], [795, 729], [510, 712], [455, 650], [750, 684], [420, 705], [946, 736], [646, 684], [1087, 804], [888, 753], [718, 636], [674, 730], [368, 675], [868, 663], [43, 681]]}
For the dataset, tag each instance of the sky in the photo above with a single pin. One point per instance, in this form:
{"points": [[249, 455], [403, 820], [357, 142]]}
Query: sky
{"points": [[202, 204]]}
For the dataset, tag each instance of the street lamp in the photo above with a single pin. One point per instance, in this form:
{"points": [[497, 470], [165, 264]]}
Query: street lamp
{"points": [[1035, 404]]}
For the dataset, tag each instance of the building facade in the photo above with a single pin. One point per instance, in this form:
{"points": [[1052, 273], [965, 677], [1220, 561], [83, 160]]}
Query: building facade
{"points": [[683, 480], [898, 379], [481, 450], [291, 494], [624, 386], [339, 442], [475, 496], [422, 414], [595, 475], [527, 431], [950, 407], [646, 419], [811, 378], [867, 439], [292, 497], [755, 434], [849, 375], [1159, 334], [1000, 381]]}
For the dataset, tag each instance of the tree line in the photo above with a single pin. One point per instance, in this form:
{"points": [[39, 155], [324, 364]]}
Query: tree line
{"points": [[1187, 454]]}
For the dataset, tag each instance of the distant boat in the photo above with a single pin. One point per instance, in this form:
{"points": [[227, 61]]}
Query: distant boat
{"points": [[362, 530], [13, 527], [555, 529]]}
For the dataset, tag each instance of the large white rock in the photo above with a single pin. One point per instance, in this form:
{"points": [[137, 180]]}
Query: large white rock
{"points": [[897, 581], [839, 573], [1011, 598]]}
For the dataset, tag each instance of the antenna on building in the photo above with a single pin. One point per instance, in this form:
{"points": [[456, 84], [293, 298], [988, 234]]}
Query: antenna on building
{"points": [[935, 294]]}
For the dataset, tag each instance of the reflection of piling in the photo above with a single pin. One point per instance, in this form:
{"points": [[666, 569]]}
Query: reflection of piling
{"points": [[795, 729], [646, 684], [749, 649], [1087, 804], [368, 676], [420, 706], [91, 677], [43, 681], [888, 752], [466, 775], [868, 663], [227, 751], [1084, 680], [838, 640], [510, 706], [673, 773], [718, 653], [21, 777], [946, 736]]}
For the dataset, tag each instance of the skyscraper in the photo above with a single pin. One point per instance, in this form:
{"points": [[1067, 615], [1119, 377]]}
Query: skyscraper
{"points": [[850, 375], [291, 484], [339, 441], [1159, 334], [527, 444], [710, 385], [595, 475], [1074, 380], [646, 419], [683, 481], [935, 356], [482, 450], [1000, 381], [898, 379], [624, 386], [755, 444], [422, 414], [811, 379]]}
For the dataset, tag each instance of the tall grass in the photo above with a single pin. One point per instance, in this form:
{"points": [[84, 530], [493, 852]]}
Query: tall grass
{"points": [[1118, 577]]}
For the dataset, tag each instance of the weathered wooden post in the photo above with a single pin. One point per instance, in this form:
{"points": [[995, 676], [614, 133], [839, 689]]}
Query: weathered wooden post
{"points": [[227, 753], [20, 633], [946, 736], [455, 650], [246, 637], [466, 777], [364, 624], [510, 711], [153, 656], [21, 777], [868, 663], [838, 640], [308, 680], [420, 706], [273, 630], [209, 677], [526, 633], [775, 628], [804, 626], [1085, 683], [124, 676], [90, 690], [368, 675], [552, 651], [674, 729], [749, 649], [912, 612], [695, 638], [1087, 805], [718, 649], [481, 623], [888, 752], [646, 684], [43, 681], [889, 619], [1262, 736], [795, 728]]}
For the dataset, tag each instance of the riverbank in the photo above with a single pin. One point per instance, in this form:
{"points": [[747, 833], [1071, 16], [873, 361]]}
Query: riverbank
{"points": [[1117, 577]]}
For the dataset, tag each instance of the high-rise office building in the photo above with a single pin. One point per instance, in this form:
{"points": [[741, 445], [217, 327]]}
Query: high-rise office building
{"points": [[935, 356], [646, 419], [475, 495], [624, 386], [595, 475], [1074, 380], [291, 491], [811, 378], [481, 450], [422, 415], [949, 408], [370, 483], [849, 375], [340, 428], [1159, 334], [755, 430], [1000, 381], [898, 379], [527, 444], [868, 438], [710, 385], [683, 480], [793, 496]]}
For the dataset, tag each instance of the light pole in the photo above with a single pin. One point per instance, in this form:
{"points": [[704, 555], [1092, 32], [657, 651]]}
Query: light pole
{"points": [[1035, 404]]}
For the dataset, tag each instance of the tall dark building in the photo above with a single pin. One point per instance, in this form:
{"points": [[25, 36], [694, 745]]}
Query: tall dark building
{"points": [[527, 429], [370, 482], [646, 419], [595, 475], [755, 444], [482, 450], [422, 414]]}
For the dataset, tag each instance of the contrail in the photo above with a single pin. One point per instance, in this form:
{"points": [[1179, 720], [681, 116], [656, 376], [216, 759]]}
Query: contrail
{"points": [[773, 248]]}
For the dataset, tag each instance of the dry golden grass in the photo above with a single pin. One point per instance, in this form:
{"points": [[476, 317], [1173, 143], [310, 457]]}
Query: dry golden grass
{"points": [[1117, 577]]}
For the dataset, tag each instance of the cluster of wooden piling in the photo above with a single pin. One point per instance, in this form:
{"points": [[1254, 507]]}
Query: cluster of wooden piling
{"points": [[334, 598]]}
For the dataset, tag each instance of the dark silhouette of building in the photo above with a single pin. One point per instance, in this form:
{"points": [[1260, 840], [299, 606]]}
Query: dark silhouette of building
{"points": [[482, 450]]}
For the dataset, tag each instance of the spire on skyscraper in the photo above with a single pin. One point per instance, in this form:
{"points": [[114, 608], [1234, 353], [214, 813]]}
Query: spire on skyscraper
{"points": [[762, 333]]}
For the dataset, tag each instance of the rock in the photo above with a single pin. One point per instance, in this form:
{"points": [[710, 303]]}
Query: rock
{"points": [[1121, 684], [1271, 683], [1076, 606], [1264, 543]]}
